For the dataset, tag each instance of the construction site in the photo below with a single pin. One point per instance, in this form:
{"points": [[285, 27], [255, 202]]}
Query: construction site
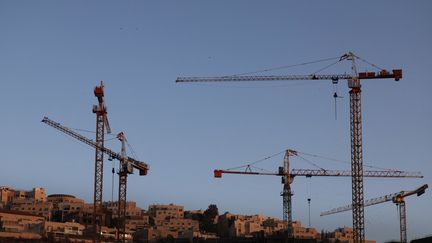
{"points": [[127, 165], [317, 150]]}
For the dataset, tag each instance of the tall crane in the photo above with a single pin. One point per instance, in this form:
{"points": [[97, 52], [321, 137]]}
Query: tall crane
{"points": [[397, 198], [127, 164], [355, 122], [101, 124], [126, 168], [288, 177]]}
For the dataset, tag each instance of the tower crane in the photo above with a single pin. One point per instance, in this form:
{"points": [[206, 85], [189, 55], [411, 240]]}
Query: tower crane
{"points": [[127, 164], [126, 168], [355, 121], [397, 198], [101, 124], [288, 177]]}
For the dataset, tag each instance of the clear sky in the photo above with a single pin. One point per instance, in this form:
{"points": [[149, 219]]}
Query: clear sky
{"points": [[53, 53]]}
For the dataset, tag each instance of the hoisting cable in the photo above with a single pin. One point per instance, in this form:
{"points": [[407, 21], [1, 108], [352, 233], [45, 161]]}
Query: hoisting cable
{"points": [[324, 68], [277, 68], [257, 161], [334, 81], [309, 200], [335, 96], [261, 169], [112, 180], [132, 150], [85, 130], [250, 165], [373, 65], [88, 131], [343, 161], [283, 67], [310, 162]]}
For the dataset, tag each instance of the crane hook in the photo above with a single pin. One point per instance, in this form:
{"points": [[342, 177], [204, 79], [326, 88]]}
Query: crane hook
{"points": [[335, 95]]}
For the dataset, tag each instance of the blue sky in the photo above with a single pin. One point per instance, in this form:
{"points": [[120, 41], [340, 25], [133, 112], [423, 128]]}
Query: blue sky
{"points": [[54, 53]]}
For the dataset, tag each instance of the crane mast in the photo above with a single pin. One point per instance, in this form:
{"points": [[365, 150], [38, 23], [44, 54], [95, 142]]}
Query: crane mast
{"points": [[125, 169], [397, 198], [355, 123], [288, 175], [356, 154], [286, 195], [101, 123]]}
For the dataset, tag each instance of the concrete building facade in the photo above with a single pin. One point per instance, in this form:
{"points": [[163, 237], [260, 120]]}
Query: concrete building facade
{"points": [[300, 232], [344, 235], [232, 225], [18, 224]]}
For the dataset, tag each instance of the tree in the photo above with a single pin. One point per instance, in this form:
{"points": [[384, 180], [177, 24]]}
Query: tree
{"points": [[212, 211], [207, 223]]}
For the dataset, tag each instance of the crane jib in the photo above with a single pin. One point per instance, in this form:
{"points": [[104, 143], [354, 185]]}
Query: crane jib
{"points": [[141, 166], [383, 74], [390, 197]]}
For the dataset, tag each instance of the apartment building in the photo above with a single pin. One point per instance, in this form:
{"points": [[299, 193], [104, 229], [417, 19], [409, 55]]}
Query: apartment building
{"points": [[131, 209], [168, 221], [172, 217], [37, 194], [29, 205], [16, 224], [300, 232], [179, 224], [6, 196], [154, 233], [231, 225], [136, 218], [66, 207], [161, 213], [136, 223], [63, 229], [344, 235]]}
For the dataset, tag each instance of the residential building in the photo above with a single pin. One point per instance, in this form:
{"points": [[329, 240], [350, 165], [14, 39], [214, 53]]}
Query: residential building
{"points": [[16, 224], [161, 213], [30, 205], [300, 232], [154, 233], [231, 225], [66, 207], [134, 223], [37, 194], [168, 221], [343, 235], [131, 209], [63, 229], [6, 196]]}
